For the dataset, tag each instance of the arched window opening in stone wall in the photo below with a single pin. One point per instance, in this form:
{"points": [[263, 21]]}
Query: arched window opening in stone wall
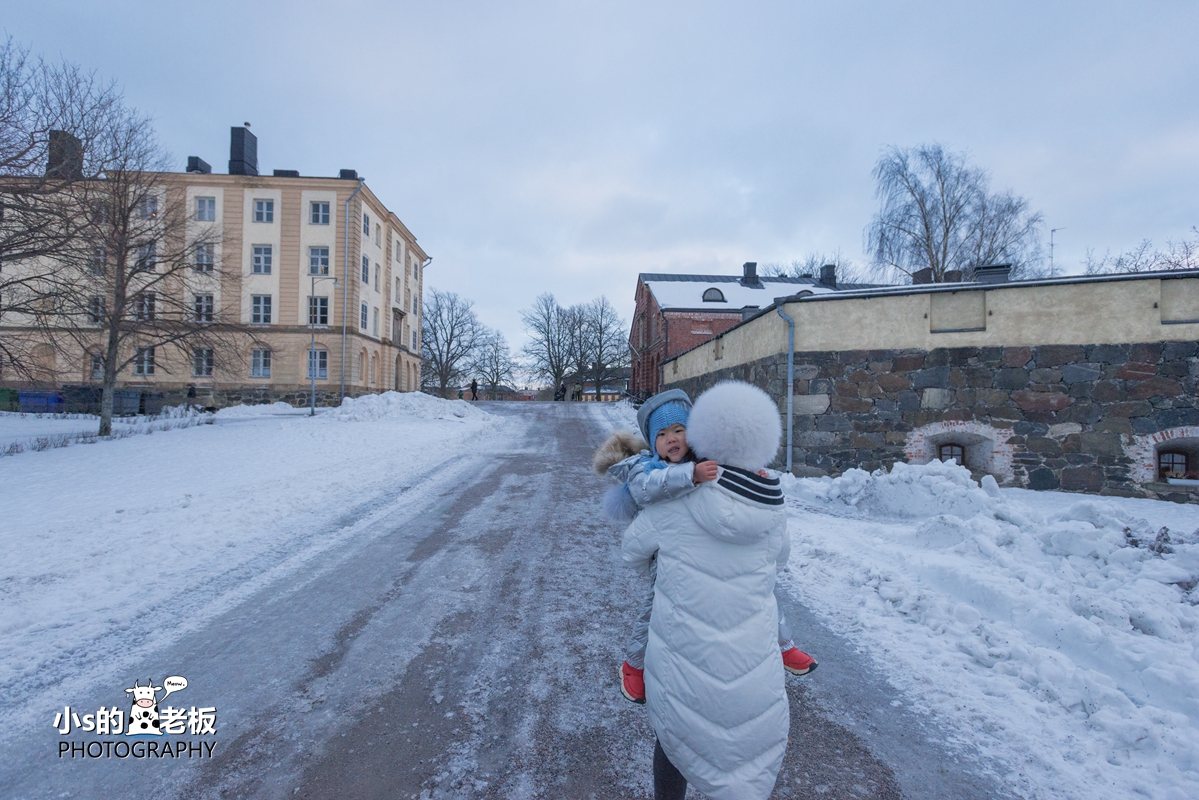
{"points": [[979, 447], [953, 452]]}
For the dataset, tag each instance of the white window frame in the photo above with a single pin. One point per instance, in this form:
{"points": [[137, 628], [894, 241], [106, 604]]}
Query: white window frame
{"points": [[143, 361], [260, 363], [375, 322], [99, 261], [319, 213], [97, 367], [203, 362], [378, 272], [206, 209], [264, 210], [260, 309], [147, 257], [319, 359], [366, 224], [204, 307], [95, 309], [205, 258], [318, 260], [362, 318], [318, 307], [366, 270], [143, 307], [147, 207], [262, 257]]}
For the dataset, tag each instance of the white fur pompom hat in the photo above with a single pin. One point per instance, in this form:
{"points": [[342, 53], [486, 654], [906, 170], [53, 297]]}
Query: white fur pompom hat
{"points": [[736, 424]]}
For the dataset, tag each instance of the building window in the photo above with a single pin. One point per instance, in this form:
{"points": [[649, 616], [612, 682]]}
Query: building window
{"points": [[366, 224], [320, 214], [318, 310], [375, 322], [318, 364], [147, 257], [260, 309], [366, 270], [378, 234], [414, 340], [147, 207], [953, 452], [396, 296], [415, 305], [97, 367], [261, 263], [362, 318], [318, 260], [202, 362], [372, 369], [143, 307], [264, 210], [204, 258], [143, 361], [206, 209], [99, 260], [1172, 465], [95, 309], [713, 295], [398, 258], [260, 363], [204, 307], [378, 271]]}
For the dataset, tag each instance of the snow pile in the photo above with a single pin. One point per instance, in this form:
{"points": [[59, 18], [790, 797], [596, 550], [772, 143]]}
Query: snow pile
{"points": [[261, 410], [1062, 643], [407, 406]]}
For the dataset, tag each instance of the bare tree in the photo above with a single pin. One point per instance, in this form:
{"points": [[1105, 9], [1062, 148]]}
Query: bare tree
{"points": [[809, 267], [605, 345], [492, 360], [450, 334], [548, 349], [52, 117], [576, 342], [937, 212], [137, 288], [1144, 258]]}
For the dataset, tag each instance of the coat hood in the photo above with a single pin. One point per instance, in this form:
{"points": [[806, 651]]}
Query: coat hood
{"points": [[616, 448]]}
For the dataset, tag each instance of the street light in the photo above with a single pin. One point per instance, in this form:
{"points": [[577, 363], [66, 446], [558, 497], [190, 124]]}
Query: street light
{"points": [[312, 346]]}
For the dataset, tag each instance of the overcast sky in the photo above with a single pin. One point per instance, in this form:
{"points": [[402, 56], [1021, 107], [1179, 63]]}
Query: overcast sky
{"points": [[565, 147]]}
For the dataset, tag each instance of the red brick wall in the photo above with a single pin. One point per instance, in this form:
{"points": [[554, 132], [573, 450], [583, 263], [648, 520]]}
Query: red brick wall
{"points": [[651, 334]]}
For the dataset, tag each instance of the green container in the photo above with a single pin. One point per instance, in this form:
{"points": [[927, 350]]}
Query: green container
{"points": [[9, 400]]}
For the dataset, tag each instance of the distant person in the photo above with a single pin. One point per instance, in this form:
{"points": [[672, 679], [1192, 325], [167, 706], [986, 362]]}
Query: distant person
{"points": [[713, 678], [474, 389], [560, 395]]}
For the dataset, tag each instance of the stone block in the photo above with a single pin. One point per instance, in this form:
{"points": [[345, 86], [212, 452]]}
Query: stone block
{"points": [[1041, 401], [938, 357], [1082, 412], [937, 377], [1042, 479], [1129, 409], [1081, 389], [979, 377], [850, 405], [1147, 353], [820, 386], [1144, 425], [1043, 445], [1110, 391], [907, 363], [1155, 387], [956, 414], [814, 439], [1114, 425], [1101, 444], [1073, 373], [810, 403], [860, 376], [908, 400], [936, 398], [1011, 378], [806, 372], [1108, 353], [957, 378], [1173, 369], [1064, 429], [867, 440], [1044, 375], [1137, 371], [1016, 356], [1179, 351], [1177, 417], [1082, 479], [1053, 355], [879, 367], [893, 382], [833, 422], [845, 389], [993, 398]]}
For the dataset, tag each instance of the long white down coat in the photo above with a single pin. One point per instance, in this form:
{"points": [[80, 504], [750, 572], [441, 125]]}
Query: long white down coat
{"points": [[713, 677]]}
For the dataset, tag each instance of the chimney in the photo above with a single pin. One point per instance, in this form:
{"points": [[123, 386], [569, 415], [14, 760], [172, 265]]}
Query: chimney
{"points": [[286, 173], [749, 274], [64, 158], [828, 276], [953, 276], [995, 273], [198, 166], [748, 311], [348, 174], [922, 276], [243, 152]]}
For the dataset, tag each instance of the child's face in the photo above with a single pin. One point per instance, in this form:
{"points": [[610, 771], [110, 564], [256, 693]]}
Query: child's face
{"points": [[671, 443]]}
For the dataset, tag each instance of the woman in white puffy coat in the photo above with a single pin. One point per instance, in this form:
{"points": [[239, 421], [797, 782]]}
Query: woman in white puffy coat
{"points": [[713, 677]]}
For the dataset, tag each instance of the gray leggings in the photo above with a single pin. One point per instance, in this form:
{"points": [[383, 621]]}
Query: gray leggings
{"points": [[635, 650]]}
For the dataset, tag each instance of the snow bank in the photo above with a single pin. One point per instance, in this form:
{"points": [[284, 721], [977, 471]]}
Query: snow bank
{"points": [[1062, 643], [405, 405], [262, 410]]}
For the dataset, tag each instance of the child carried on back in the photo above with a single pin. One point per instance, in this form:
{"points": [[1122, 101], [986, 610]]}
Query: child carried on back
{"points": [[663, 470]]}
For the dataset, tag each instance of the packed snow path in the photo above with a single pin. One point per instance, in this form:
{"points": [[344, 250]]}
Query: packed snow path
{"points": [[461, 639]]}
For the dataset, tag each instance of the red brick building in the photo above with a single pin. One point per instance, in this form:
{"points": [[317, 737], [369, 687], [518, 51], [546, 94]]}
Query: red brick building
{"points": [[677, 312]]}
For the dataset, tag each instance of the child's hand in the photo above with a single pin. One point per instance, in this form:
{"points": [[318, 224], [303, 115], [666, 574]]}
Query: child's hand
{"points": [[704, 471], [763, 473]]}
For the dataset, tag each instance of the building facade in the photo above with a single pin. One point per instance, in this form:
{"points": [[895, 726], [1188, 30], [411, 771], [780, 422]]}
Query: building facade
{"points": [[1080, 384], [674, 313], [292, 259]]}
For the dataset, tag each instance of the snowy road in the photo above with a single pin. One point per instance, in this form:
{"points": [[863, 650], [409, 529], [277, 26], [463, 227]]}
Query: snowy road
{"points": [[463, 641]]}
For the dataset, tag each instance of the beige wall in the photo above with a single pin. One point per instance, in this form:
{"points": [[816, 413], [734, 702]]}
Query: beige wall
{"points": [[1100, 312]]}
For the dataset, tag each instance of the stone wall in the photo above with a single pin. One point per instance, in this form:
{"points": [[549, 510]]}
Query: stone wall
{"points": [[1071, 417]]}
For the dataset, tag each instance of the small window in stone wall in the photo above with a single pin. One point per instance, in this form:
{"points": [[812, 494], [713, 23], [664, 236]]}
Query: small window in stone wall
{"points": [[1172, 464], [953, 452]]}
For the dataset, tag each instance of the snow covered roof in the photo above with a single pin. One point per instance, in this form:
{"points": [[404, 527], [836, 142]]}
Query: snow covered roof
{"points": [[687, 292]]}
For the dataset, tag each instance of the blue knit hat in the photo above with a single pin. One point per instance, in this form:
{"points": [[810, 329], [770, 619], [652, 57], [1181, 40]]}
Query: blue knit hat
{"points": [[665, 415]]}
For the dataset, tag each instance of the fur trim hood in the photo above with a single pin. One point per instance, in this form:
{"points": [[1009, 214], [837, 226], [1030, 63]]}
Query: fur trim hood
{"points": [[616, 448], [737, 424]]}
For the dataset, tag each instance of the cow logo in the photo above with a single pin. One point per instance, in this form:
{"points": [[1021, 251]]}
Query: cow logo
{"points": [[149, 718]]}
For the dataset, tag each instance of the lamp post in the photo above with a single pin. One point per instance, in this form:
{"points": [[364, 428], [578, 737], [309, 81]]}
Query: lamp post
{"points": [[312, 346]]}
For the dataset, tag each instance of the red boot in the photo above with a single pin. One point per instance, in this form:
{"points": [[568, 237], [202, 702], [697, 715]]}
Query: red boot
{"points": [[797, 662], [632, 683]]}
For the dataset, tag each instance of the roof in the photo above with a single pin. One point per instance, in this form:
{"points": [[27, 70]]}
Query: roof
{"points": [[686, 292]]}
